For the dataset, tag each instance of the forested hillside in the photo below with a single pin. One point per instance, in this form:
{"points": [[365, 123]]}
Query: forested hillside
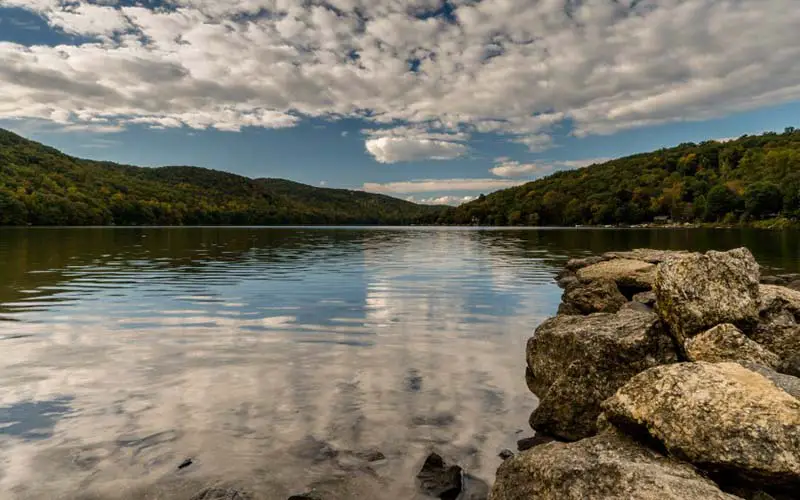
{"points": [[753, 177], [42, 186]]}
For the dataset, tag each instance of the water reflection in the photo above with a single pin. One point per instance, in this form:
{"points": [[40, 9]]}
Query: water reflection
{"points": [[128, 350]]}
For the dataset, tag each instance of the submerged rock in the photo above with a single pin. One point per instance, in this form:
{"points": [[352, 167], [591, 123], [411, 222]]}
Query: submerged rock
{"points": [[726, 343], [578, 361], [600, 295], [222, 494], [311, 448], [722, 417], [696, 292], [438, 479], [607, 466]]}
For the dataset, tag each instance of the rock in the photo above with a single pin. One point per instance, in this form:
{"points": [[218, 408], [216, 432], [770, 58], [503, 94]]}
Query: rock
{"points": [[726, 343], [506, 454], [649, 255], [607, 466], [435, 420], [778, 301], [600, 295], [438, 479], [788, 383], [631, 276], [313, 449], [578, 361], [532, 442], [533, 385], [781, 338], [567, 281], [354, 484], [370, 455], [696, 292], [790, 366], [473, 488], [221, 494], [637, 306], [722, 417], [646, 298], [794, 285], [575, 264]]}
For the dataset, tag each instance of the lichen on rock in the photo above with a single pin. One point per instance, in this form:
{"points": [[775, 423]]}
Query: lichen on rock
{"points": [[722, 417], [607, 466], [696, 292]]}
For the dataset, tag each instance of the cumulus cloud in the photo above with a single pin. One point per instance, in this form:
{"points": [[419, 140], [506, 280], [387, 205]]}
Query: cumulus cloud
{"points": [[442, 200], [397, 149], [509, 168], [515, 169], [512, 67], [438, 185]]}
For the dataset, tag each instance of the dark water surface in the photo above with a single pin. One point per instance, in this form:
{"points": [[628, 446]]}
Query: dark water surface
{"points": [[124, 351]]}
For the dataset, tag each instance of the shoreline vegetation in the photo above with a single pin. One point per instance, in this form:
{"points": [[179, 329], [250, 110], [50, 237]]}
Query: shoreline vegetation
{"points": [[665, 374], [753, 181]]}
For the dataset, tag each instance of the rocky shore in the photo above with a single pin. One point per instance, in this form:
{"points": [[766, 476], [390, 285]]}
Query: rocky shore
{"points": [[665, 375]]}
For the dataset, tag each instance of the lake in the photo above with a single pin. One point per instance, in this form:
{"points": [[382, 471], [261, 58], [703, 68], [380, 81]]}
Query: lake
{"points": [[126, 351]]}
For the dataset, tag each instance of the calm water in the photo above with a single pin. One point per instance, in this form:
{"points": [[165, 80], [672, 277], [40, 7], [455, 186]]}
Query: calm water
{"points": [[126, 351]]}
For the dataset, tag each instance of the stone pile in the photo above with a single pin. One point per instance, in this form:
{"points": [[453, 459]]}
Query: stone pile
{"points": [[666, 375]]}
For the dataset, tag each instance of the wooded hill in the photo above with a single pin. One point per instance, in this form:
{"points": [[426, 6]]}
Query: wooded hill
{"points": [[750, 178], [40, 185]]}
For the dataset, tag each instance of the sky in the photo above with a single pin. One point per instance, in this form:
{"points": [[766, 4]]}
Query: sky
{"points": [[429, 100]]}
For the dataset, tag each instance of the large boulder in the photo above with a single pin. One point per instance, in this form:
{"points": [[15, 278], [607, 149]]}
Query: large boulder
{"points": [[607, 466], [631, 276], [600, 295], [788, 383], [696, 292], [575, 362], [726, 343], [779, 301], [722, 417]]}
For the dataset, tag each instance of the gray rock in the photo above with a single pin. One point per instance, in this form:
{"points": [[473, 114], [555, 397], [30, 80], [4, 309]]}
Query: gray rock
{"points": [[439, 479], [788, 383], [532, 442], [646, 298], [576, 362], [221, 494], [778, 301], [722, 417], [782, 338], [600, 295], [726, 343], [790, 366], [315, 450], [607, 466], [637, 306], [696, 292], [630, 275]]}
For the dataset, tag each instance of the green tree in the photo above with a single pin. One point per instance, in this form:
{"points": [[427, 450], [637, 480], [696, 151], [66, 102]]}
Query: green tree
{"points": [[762, 199], [721, 200]]}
